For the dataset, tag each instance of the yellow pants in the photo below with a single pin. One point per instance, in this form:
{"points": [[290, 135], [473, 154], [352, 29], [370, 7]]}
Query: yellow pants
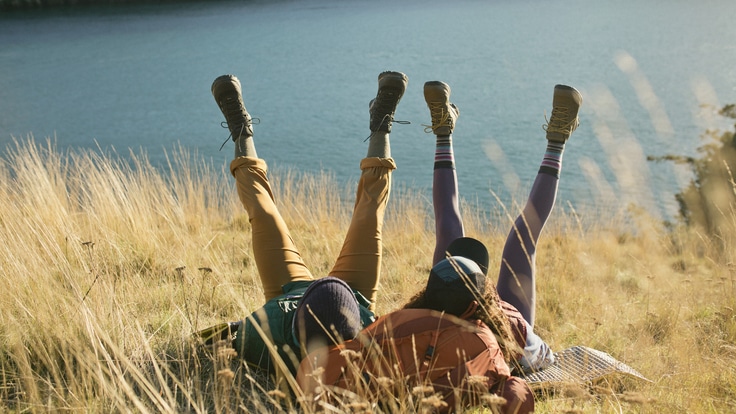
{"points": [[277, 258]]}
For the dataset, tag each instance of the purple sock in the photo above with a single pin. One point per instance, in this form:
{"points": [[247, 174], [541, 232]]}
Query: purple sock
{"points": [[443, 154], [552, 162]]}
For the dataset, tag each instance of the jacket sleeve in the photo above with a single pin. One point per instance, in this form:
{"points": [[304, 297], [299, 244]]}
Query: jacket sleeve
{"points": [[537, 354], [485, 372], [478, 377], [519, 397]]}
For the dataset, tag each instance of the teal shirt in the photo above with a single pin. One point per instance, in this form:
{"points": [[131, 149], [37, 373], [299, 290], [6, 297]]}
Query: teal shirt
{"points": [[275, 318]]}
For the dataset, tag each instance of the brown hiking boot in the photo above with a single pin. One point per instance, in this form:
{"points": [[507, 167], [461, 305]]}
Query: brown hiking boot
{"points": [[228, 95], [444, 114], [391, 87], [564, 119]]}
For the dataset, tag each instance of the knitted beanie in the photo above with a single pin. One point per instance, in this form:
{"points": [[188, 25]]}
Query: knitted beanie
{"points": [[327, 313]]}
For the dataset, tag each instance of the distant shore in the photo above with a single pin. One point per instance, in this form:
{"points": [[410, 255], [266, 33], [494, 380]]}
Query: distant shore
{"points": [[46, 4]]}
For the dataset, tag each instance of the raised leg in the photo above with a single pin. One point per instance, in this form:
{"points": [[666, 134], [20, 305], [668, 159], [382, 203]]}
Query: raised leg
{"points": [[359, 261], [277, 258], [445, 197], [516, 281]]}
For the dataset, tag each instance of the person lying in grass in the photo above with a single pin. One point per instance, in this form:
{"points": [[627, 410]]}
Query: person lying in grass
{"points": [[459, 336], [346, 299]]}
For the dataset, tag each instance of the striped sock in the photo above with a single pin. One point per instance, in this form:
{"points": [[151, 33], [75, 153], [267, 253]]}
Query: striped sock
{"points": [[443, 155], [552, 162]]}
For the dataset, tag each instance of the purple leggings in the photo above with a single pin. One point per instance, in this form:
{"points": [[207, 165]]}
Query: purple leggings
{"points": [[516, 277]]}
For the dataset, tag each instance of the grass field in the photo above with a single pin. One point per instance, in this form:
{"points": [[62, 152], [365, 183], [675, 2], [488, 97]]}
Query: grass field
{"points": [[108, 267]]}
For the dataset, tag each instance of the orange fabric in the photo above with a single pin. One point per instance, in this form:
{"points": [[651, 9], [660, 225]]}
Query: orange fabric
{"points": [[398, 346], [518, 395], [518, 324]]}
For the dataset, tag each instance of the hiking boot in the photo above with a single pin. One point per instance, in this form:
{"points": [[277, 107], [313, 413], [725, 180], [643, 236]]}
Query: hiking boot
{"points": [[444, 114], [228, 95], [391, 87], [564, 119]]}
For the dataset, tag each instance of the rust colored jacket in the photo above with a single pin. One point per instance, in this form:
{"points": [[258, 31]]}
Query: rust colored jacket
{"points": [[421, 347]]}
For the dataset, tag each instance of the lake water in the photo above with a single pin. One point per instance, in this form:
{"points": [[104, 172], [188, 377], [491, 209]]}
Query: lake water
{"points": [[139, 77]]}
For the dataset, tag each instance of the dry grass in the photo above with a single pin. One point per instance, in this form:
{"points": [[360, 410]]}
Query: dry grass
{"points": [[109, 266]]}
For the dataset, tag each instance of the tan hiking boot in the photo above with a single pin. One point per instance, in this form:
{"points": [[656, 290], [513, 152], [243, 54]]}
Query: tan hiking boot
{"points": [[228, 95], [391, 87], [444, 114], [564, 119]]}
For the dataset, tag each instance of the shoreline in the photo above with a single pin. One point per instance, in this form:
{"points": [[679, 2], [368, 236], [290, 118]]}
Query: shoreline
{"points": [[25, 5]]}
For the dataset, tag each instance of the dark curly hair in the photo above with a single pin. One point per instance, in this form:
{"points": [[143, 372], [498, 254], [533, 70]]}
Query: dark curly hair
{"points": [[490, 313]]}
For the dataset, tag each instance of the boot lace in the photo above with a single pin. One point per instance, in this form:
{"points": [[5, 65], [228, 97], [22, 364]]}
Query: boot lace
{"points": [[560, 122], [385, 103], [391, 120], [440, 117], [236, 118]]}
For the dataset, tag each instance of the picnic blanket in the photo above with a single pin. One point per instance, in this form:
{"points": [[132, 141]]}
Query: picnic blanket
{"points": [[580, 365]]}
